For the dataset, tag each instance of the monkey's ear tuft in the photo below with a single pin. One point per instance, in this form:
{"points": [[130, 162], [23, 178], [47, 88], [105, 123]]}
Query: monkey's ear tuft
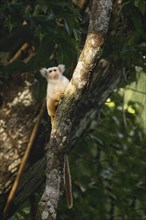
{"points": [[61, 68], [43, 72]]}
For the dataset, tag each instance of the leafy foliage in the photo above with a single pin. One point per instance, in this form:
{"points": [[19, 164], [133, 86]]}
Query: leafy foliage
{"points": [[52, 27], [108, 168], [126, 42]]}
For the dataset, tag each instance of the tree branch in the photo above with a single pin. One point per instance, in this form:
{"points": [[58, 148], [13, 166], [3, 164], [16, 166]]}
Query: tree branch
{"points": [[79, 85]]}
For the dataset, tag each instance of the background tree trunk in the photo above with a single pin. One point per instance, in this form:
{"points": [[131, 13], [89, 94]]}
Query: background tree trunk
{"points": [[17, 118]]}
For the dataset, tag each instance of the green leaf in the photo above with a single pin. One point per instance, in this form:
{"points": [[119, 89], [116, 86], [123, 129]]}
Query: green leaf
{"points": [[141, 5], [9, 23], [67, 27]]}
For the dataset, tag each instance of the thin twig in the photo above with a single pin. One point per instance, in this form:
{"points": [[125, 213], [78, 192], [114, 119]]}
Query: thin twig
{"points": [[16, 56]]}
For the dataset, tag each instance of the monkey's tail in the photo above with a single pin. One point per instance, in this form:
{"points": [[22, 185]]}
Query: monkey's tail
{"points": [[68, 184]]}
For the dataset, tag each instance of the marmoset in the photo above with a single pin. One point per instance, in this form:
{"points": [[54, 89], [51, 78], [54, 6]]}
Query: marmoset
{"points": [[57, 84]]}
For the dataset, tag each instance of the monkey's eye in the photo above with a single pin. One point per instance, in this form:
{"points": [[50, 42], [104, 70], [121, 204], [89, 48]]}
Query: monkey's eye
{"points": [[50, 71]]}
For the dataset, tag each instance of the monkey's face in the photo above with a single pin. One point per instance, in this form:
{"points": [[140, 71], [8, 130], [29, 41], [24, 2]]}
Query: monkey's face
{"points": [[53, 73]]}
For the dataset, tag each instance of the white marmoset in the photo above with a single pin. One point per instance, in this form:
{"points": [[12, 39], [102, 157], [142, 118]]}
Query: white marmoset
{"points": [[57, 84]]}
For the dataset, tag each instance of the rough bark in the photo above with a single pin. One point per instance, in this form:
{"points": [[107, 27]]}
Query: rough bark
{"points": [[80, 84], [18, 114]]}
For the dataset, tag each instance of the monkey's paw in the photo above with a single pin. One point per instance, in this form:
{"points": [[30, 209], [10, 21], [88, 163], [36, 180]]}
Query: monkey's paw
{"points": [[62, 95]]}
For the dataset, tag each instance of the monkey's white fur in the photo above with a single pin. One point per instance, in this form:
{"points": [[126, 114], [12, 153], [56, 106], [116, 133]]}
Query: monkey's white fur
{"points": [[57, 84]]}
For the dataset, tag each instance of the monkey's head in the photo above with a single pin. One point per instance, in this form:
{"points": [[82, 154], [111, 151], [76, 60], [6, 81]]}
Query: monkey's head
{"points": [[53, 72]]}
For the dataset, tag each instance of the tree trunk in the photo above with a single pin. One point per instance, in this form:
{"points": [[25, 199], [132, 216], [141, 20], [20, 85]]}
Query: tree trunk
{"points": [[79, 86]]}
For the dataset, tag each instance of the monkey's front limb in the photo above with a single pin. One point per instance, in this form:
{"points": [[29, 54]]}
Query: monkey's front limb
{"points": [[52, 105], [51, 108]]}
